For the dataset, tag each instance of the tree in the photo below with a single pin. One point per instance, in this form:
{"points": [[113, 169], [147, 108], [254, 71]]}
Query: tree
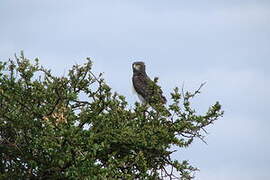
{"points": [[75, 127]]}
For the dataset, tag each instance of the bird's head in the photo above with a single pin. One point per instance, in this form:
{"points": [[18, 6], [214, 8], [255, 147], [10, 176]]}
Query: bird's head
{"points": [[138, 66]]}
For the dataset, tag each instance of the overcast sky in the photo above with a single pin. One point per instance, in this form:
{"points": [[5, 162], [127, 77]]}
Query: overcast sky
{"points": [[223, 42]]}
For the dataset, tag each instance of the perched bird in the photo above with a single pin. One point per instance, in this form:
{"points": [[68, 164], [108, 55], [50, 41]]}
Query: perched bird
{"points": [[147, 90]]}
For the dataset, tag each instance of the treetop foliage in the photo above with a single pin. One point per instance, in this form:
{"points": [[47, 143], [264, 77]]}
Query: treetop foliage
{"points": [[76, 127]]}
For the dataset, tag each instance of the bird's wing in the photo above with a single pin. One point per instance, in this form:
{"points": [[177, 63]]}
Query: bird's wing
{"points": [[140, 85], [148, 89]]}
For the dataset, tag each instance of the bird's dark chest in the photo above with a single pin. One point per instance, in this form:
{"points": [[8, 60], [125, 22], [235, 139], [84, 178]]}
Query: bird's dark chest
{"points": [[139, 81]]}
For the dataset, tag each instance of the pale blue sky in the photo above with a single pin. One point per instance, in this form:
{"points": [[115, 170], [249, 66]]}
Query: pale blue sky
{"points": [[223, 42]]}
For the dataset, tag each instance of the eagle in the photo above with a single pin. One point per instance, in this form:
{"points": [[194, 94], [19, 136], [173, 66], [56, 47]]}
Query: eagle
{"points": [[147, 90]]}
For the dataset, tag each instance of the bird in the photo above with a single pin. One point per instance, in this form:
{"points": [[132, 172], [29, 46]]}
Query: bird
{"points": [[147, 90]]}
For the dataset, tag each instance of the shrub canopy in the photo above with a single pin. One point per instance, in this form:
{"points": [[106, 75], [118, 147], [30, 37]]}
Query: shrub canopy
{"points": [[76, 127]]}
